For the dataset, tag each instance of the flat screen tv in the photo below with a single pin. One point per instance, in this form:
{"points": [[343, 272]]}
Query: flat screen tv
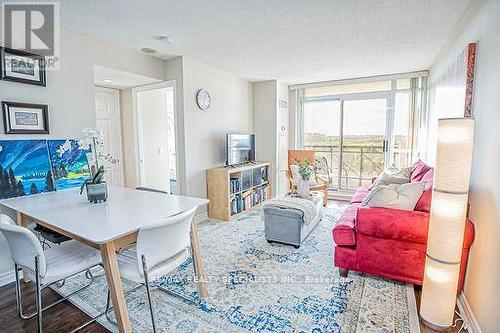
{"points": [[240, 148]]}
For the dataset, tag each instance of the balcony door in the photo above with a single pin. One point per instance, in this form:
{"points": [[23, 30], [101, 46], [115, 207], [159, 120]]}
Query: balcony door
{"points": [[350, 134]]}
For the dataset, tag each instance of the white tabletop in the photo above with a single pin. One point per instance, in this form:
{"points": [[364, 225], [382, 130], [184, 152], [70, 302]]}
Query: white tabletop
{"points": [[125, 212]]}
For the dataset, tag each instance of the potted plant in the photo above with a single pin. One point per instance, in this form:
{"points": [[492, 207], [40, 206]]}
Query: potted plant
{"points": [[306, 171], [99, 162]]}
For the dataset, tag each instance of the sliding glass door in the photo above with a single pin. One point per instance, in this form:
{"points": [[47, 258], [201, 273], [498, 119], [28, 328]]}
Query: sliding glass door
{"points": [[349, 137], [364, 137], [358, 130]]}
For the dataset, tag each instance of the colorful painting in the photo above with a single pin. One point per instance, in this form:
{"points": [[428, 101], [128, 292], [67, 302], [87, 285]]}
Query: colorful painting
{"points": [[69, 163], [24, 168]]}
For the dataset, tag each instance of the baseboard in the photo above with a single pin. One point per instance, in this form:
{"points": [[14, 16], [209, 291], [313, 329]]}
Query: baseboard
{"points": [[471, 323], [6, 278]]}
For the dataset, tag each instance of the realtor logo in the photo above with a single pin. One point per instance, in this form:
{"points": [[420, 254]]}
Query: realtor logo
{"points": [[32, 27]]}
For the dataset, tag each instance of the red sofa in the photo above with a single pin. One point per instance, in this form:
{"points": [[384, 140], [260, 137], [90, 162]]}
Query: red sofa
{"points": [[390, 243]]}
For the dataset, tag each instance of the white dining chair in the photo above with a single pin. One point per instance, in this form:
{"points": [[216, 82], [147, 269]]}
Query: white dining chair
{"points": [[45, 268], [160, 249]]}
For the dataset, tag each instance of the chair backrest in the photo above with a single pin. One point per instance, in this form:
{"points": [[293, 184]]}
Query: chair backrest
{"points": [[165, 239], [23, 245], [301, 156]]}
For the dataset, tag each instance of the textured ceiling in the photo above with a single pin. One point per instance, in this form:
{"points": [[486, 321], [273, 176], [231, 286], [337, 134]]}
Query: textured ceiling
{"points": [[292, 40]]}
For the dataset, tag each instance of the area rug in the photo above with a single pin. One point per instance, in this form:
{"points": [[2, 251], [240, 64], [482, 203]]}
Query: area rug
{"points": [[259, 287]]}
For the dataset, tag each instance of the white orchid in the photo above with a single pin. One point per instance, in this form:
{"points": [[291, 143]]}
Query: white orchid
{"points": [[93, 140]]}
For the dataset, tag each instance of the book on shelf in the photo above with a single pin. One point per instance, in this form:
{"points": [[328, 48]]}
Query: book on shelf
{"points": [[235, 185]]}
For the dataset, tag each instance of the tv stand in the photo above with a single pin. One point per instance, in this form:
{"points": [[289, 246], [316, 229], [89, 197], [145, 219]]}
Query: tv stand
{"points": [[233, 190]]}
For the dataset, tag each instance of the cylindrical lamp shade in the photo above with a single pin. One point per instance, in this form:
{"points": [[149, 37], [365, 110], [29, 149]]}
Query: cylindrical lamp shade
{"points": [[447, 221]]}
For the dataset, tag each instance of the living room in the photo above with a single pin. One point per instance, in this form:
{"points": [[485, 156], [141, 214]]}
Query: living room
{"points": [[331, 164]]}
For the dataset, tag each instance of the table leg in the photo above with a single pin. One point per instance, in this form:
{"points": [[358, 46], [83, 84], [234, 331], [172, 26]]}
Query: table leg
{"points": [[115, 286], [199, 260]]}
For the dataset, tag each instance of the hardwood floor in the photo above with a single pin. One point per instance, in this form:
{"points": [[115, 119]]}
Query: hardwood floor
{"points": [[62, 318]]}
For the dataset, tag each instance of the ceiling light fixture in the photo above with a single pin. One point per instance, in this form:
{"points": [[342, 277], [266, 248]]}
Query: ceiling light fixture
{"points": [[148, 50], [165, 39]]}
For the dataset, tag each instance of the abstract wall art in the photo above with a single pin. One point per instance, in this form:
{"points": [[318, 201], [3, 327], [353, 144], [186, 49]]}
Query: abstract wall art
{"points": [[24, 168], [69, 163]]}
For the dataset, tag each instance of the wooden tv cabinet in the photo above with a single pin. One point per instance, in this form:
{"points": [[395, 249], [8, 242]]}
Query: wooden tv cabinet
{"points": [[235, 190]]}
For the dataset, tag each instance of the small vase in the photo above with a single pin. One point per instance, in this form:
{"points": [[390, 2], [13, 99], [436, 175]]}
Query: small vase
{"points": [[303, 189], [97, 192]]}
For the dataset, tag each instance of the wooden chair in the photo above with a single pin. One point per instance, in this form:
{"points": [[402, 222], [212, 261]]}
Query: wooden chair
{"points": [[302, 156]]}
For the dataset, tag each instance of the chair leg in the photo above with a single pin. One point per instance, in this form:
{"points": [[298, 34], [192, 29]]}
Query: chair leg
{"points": [[19, 301], [38, 295], [148, 291]]}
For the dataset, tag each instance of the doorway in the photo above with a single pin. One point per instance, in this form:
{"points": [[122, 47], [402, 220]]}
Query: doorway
{"points": [[155, 125]]}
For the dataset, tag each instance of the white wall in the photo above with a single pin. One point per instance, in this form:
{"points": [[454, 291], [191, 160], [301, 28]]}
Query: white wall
{"points": [[70, 90], [205, 132], [482, 24], [264, 124], [269, 117]]}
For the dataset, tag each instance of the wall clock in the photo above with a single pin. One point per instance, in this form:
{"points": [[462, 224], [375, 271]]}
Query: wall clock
{"points": [[203, 99]]}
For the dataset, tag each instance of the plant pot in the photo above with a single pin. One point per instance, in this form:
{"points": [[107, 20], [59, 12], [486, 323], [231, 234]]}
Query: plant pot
{"points": [[303, 188], [97, 192]]}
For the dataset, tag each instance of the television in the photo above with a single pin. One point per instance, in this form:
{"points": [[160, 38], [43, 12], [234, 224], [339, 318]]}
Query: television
{"points": [[240, 148]]}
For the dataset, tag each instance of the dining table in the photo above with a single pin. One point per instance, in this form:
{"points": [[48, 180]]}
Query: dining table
{"points": [[107, 226]]}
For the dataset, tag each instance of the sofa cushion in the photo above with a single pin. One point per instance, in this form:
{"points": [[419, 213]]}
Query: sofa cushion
{"points": [[344, 232], [418, 171], [410, 226], [360, 195]]}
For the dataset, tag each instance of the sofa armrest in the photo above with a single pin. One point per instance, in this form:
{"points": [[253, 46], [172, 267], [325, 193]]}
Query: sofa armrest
{"points": [[409, 226]]}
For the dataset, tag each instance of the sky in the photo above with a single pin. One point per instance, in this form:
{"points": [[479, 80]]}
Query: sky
{"points": [[361, 117]]}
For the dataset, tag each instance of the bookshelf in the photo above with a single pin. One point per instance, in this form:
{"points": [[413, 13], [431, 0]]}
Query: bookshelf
{"points": [[234, 190]]}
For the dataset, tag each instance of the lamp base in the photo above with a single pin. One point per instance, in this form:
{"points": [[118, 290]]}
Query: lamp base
{"points": [[435, 327]]}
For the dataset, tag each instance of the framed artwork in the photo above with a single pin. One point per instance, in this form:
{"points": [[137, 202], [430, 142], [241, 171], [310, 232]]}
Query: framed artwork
{"points": [[69, 163], [22, 67], [24, 168], [25, 118]]}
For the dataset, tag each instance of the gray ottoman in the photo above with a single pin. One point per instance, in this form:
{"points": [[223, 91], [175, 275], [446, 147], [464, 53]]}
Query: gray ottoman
{"points": [[287, 226]]}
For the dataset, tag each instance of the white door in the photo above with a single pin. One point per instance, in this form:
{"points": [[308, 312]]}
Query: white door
{"points": [[154, 136], [107, 106]]}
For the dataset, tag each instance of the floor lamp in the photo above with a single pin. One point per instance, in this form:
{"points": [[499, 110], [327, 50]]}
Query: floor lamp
{"points": [[447, 221]]}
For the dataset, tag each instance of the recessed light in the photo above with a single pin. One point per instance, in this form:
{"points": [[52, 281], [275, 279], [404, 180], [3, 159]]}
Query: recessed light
{"points": [[107, 81], [148, 50], [165, 39]]}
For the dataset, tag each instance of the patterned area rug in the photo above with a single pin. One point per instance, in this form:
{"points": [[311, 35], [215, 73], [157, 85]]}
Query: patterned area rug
{"points": [[260, 287]]}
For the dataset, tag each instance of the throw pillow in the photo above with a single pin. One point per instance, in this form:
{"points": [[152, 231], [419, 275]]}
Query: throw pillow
{"points": [[294, 169], [424, 203], [403, 196], [393, 175], [418, 170]]}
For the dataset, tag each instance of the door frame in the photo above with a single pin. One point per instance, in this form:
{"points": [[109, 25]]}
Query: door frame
{"points": [[116, 120], [138, 130]]}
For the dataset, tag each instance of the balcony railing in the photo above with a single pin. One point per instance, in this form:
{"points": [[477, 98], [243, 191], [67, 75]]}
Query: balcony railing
{"points": [[360, 163]]}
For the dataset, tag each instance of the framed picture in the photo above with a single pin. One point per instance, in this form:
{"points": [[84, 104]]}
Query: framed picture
{"points": [[22, 67], [24, 118]]}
